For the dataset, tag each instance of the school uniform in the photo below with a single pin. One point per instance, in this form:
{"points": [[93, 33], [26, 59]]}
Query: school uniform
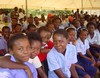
{"points": [[94, 40], [35, 61], [81, 73], [57, 60], [43, 56], [3, 46], [85, 63], [17, 73]]}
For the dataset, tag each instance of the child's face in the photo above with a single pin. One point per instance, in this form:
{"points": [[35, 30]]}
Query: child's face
{"points": [[45, 36], [21, 50], [91, 28], [83, 35], [30, 20], [18, 29], [14, 21], [6, 33], [77, 24], [71, 35], [60, 43], [35, 46], [32, 29], [57, 23], [51, 28]]}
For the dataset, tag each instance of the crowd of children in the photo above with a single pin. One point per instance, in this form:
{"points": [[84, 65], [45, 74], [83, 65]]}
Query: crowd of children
{"points": [[50, 48]]}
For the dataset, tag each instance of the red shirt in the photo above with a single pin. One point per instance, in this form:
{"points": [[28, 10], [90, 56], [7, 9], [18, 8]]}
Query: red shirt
{"points": [[42, 56]]}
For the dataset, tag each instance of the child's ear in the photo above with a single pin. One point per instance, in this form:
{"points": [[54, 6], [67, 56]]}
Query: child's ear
{"points": [[11, 52]]}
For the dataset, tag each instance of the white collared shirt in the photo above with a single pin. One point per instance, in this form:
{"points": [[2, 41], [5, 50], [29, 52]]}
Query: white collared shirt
{"points": [[35, 61], [3, 44], [57, 60], [80, 47], [95, 38]]}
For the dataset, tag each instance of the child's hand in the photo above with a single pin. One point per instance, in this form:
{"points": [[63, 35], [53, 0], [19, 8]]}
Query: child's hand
{"points": [[45, 50], [81, 68], [92, 59], [28, 71]]}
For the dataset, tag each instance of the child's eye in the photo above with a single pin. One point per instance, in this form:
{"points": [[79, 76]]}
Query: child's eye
{"points": [[21, 49]]}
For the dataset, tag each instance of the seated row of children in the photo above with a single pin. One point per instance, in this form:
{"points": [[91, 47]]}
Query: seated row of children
{"points": [[66, 57]]}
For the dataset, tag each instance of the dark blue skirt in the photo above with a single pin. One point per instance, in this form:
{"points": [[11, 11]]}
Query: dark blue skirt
{"points": [[87, 65]]}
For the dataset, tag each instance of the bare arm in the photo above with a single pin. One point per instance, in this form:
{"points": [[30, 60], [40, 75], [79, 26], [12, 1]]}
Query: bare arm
{"points": [[73, 71], [79, 66], [81, 55], [89, 53], [45, 50], [95, 45], [59, 73], [5, 62], [41, 72]]}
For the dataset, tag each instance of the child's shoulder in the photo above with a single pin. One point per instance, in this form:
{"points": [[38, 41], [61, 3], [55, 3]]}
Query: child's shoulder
{"points": [[52, 52], [70, 46]]}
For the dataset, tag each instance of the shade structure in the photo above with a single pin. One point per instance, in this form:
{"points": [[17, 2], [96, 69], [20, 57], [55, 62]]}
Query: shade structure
{"points": [[51, 4]]}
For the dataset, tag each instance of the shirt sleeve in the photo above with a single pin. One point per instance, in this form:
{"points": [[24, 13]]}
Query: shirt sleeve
{"points": [[87, 44], [78, 47], [98, 38], [36, 62], [74, 55], [52, 62], [35, 73]]}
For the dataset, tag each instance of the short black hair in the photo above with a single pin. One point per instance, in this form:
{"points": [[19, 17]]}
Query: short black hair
{"points": [[43, 28], [14, 38], [62, 32], [80, 30], [34, 36], [56, 18], [91, 23], [5, 27], [31, 25], [74, 21]]}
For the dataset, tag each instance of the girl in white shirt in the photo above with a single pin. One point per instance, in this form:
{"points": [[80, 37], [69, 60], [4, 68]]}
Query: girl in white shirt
{"points": [[93, 39], [85, 58]]}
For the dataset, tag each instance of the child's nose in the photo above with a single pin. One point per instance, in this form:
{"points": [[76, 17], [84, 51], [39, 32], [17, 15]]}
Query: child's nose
{"points": [[58, 44]]}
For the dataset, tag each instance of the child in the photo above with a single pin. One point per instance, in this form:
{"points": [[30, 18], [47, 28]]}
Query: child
{"points": [[31, 28], [50, 27], [57, 22], [46, 46], [84, 56], [4, 40], [62, 57], [72, 40], [18, 29], [93, 39], [20, 52], [71, 35], [35, 41]]}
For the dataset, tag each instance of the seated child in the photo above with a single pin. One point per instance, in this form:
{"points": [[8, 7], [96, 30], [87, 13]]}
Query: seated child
{"points": [[62, 57], [93, 38], [35, 41], [85, 58], [20, 53], [47, 44]]}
